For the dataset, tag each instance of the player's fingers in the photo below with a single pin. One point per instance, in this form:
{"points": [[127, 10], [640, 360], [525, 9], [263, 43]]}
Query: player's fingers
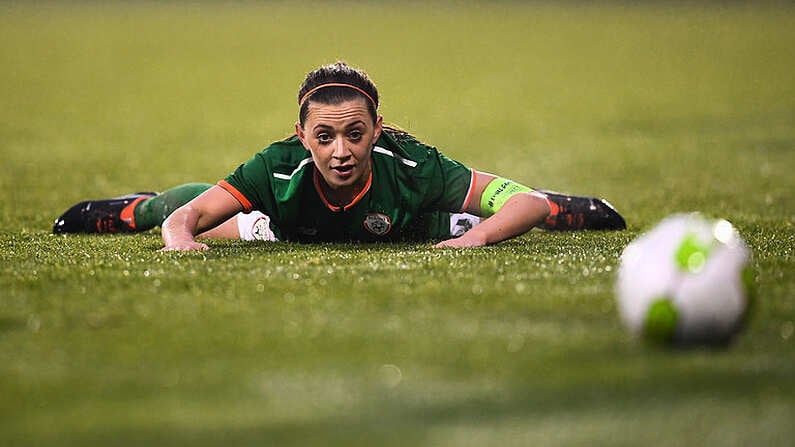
{"points": [[450, 243], [185, 246], [461, 242]]}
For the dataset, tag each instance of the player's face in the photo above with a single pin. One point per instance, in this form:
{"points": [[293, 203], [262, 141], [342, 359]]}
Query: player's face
{"points": [[341, 138]]}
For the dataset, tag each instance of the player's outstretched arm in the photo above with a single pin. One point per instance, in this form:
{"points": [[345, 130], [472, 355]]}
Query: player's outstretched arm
{"points": [[515, 212], [206, 211]]}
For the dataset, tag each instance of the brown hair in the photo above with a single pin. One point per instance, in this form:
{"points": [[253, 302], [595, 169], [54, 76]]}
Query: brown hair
{"points": [[349, 83]]}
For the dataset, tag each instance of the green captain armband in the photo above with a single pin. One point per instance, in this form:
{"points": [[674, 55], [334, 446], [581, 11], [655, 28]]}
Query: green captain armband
{"points": [[497, 192]]}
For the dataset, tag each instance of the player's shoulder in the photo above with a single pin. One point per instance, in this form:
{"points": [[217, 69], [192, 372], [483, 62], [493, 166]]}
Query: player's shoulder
{"points": [[285, 157], [288, 147], [288, 150], [402, 147]]}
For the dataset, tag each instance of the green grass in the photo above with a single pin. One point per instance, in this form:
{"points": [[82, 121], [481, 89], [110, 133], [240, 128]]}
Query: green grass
{"points": [[659, 108]]}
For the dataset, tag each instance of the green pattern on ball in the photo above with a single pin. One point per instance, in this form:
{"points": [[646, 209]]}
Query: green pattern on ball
{"points": [[691, 254], [660, 321]]}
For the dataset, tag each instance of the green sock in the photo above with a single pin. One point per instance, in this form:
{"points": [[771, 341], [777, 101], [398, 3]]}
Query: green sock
{"points": [[152, 212]]}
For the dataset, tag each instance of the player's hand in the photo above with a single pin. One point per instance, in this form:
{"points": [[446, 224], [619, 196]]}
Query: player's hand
{"points": [[468, 239], [185, 246]]}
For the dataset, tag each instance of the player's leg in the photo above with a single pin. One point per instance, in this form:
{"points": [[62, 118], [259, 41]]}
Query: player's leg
{"points": [[125, 214], [152, 212], [569, 213]]}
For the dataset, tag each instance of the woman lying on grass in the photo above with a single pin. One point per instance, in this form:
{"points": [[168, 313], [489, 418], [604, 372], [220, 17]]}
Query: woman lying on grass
{"points": [[342, 177]]}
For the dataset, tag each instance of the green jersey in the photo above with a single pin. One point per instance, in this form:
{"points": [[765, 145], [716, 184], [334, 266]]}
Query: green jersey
{"points": [[411, 191]]}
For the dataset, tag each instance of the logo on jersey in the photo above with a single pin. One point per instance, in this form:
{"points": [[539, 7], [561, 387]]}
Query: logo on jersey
{"points": [[377, 223]]}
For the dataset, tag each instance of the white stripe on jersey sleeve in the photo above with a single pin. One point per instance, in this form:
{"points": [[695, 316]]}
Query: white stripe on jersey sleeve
{"points": [[397, 157], [303, 163]]}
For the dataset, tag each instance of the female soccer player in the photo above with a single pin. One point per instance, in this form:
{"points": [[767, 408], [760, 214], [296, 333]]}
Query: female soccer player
{"points": [[344, 176]]}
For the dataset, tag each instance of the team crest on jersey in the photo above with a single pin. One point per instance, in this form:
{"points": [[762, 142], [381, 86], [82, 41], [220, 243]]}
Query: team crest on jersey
{"points": [[377, 223]]}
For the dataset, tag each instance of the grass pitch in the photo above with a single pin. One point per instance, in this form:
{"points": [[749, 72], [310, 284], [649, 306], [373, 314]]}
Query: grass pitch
{"points": [[661, 109]]}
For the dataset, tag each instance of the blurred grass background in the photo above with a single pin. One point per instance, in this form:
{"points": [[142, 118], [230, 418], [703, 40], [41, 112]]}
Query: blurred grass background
{"points": [[660, 107]]}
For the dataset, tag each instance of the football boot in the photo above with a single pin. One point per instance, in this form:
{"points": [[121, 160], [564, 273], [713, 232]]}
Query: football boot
{"points": [[570, 213], [101, 216]]}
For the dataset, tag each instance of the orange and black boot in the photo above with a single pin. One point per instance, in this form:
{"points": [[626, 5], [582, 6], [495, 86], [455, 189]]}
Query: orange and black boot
{"points": [[571, 213], [101, 216]]}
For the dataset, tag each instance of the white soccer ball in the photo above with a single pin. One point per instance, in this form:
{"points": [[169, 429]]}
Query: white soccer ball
{"points": [[686, 282]]}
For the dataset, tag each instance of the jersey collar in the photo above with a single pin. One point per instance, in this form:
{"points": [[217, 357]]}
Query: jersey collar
{"points": [[353, 202]]}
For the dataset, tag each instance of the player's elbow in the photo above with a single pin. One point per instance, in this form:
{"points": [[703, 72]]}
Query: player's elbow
{"points": [[540, 204], [526, 210], [180, 218], [534, 206]]}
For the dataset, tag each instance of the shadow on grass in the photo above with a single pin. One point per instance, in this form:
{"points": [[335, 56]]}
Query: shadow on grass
{"points": [[392, 420]]}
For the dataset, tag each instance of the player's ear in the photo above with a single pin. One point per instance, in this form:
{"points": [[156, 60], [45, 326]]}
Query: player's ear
{"points": [[379, 126], [299, 130]]}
